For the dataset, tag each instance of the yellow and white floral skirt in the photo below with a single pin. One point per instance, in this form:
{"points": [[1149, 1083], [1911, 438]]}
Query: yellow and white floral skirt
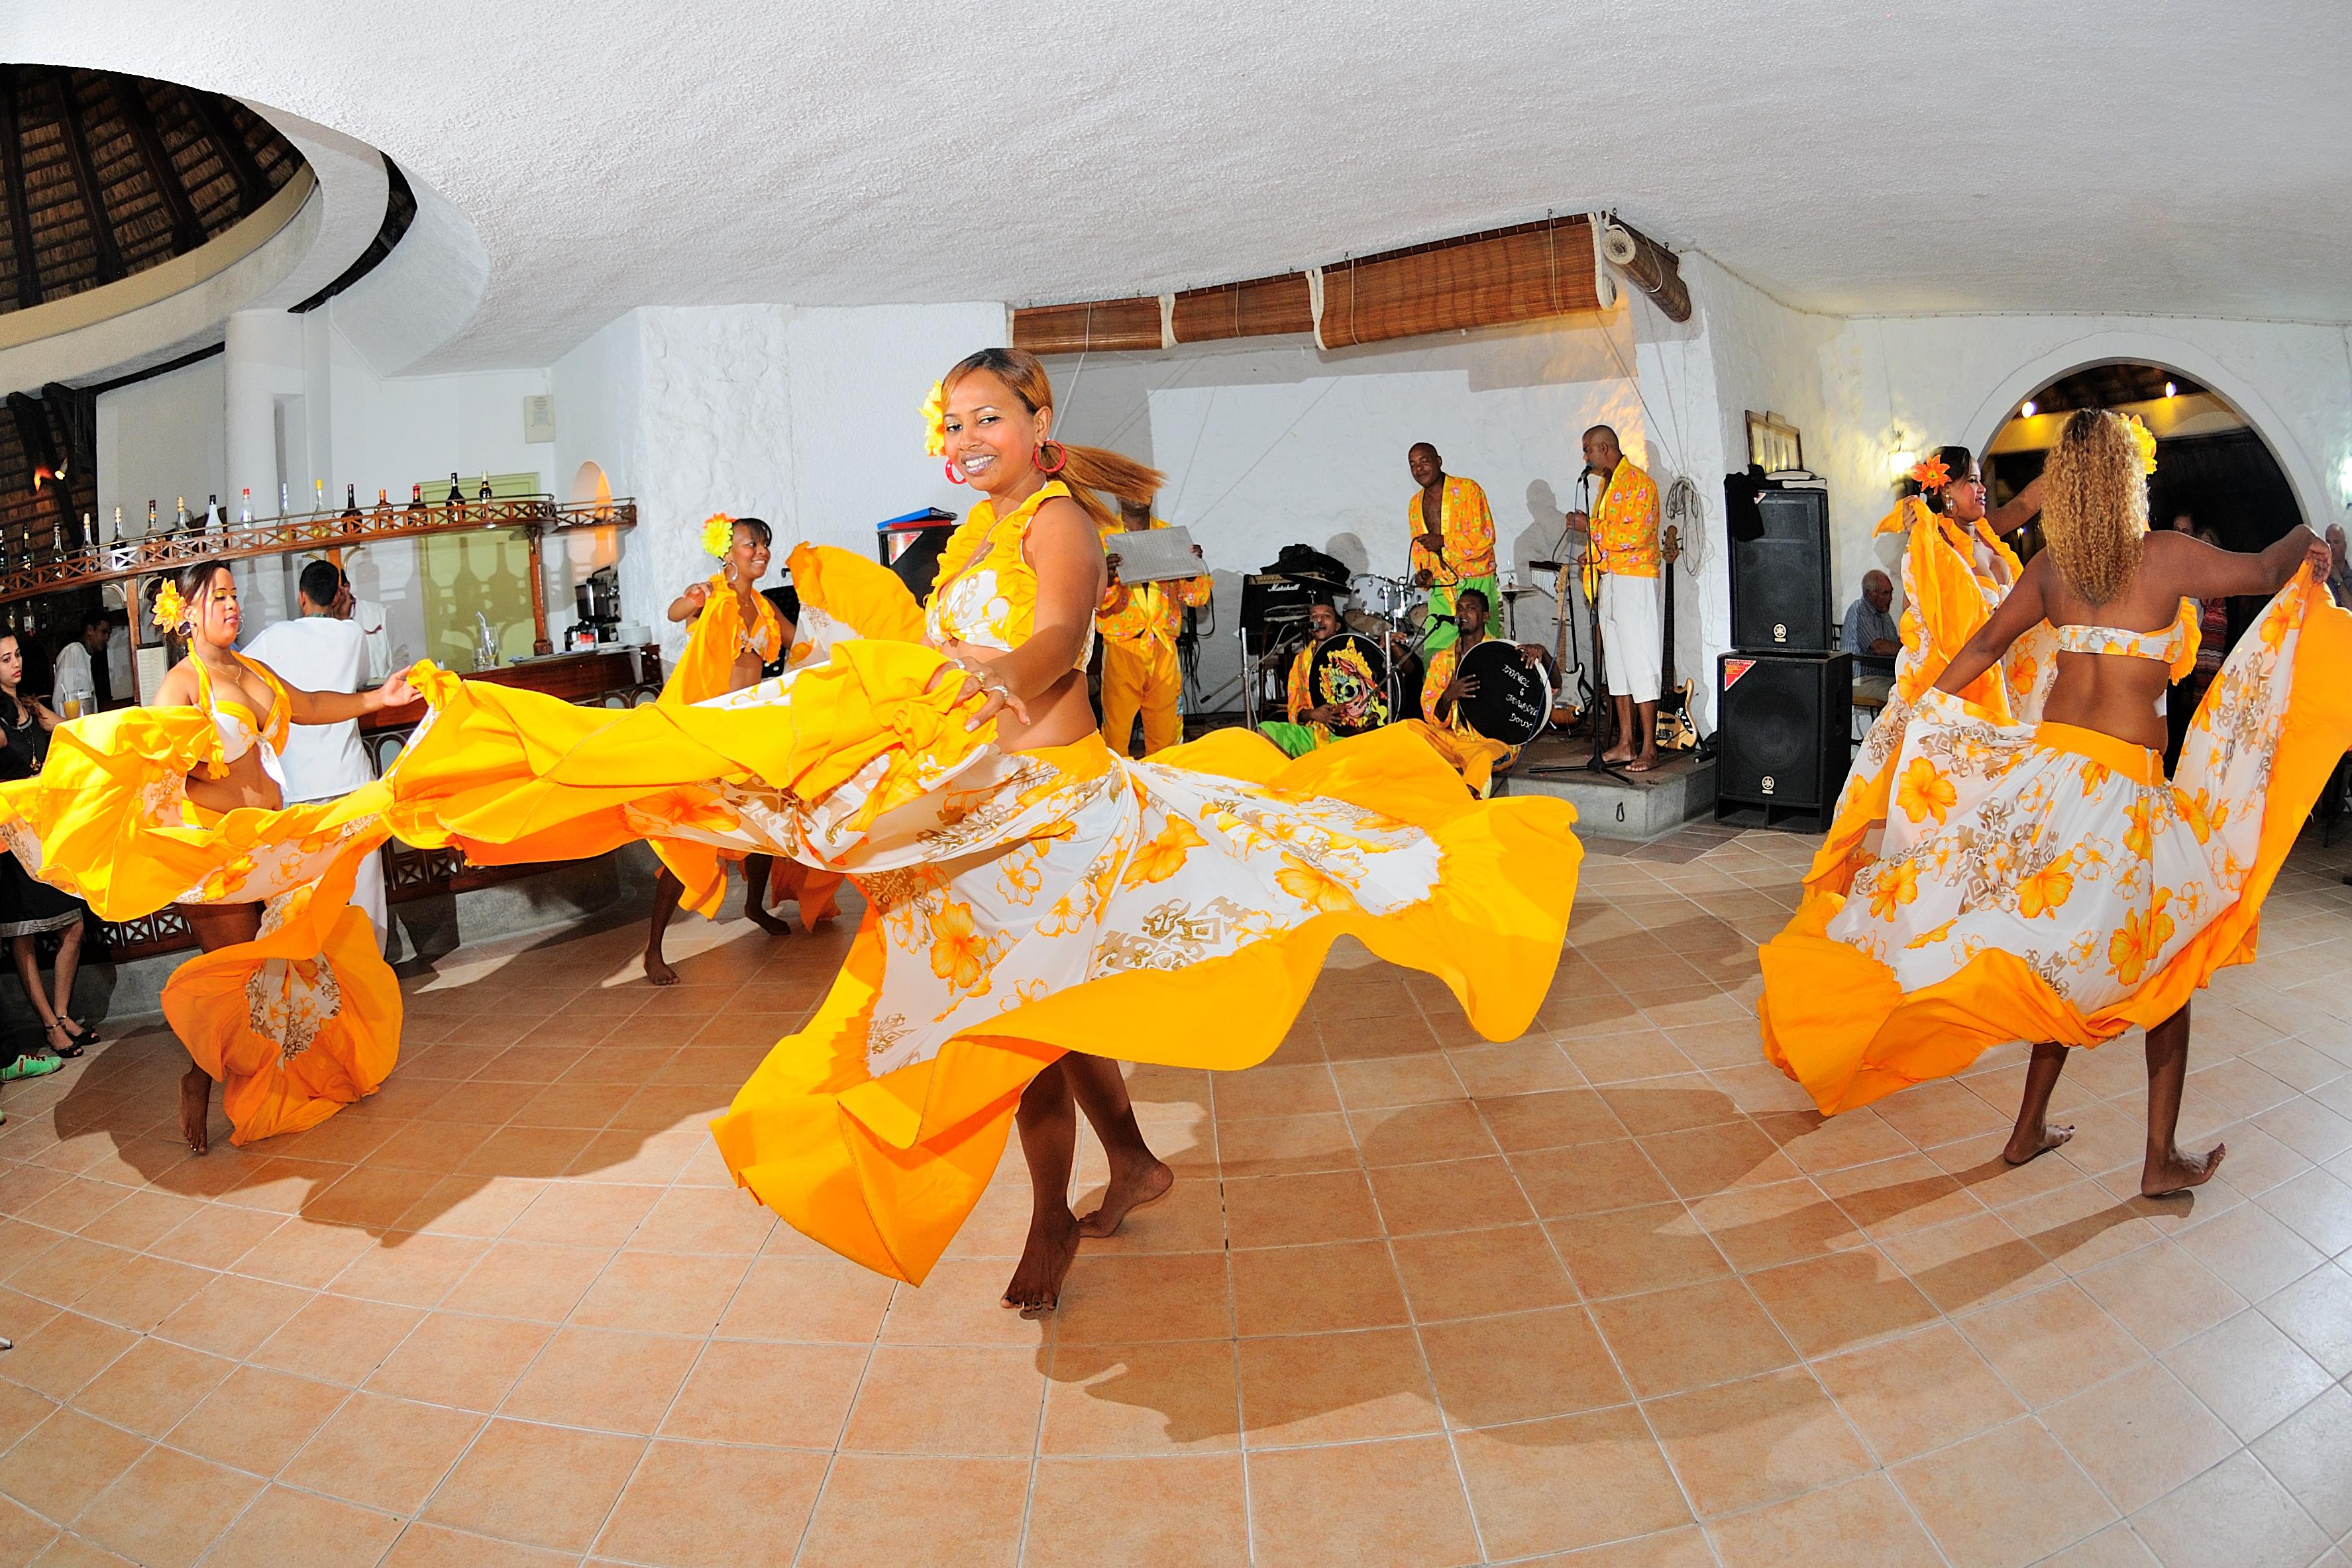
{"points": [[2047, 882]]}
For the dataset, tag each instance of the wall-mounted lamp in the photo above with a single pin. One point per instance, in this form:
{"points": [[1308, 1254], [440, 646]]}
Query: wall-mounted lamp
{"points": [[1899, 464], [2025, 409], [2171, 391]]}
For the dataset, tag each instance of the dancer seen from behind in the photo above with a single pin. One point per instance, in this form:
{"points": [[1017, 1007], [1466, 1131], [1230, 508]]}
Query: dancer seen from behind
{"points": [[733, 631], [1038, 909], [291, 1007], [2047, 882]]}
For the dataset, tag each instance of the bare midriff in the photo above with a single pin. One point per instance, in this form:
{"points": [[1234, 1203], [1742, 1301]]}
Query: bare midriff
{"points": [[2115, 694], [248, 783]]}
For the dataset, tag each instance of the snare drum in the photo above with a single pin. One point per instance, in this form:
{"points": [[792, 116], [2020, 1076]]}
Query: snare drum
{"points": [[1349, 671], [1513, 702]]}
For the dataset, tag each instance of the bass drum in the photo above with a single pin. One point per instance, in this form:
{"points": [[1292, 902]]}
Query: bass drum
{"points": [[1348, 672], [1513, 702]]}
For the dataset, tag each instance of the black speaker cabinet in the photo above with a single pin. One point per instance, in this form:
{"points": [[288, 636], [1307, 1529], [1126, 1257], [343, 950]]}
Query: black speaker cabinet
{"points": [[1782, 739], [1781, 599]]}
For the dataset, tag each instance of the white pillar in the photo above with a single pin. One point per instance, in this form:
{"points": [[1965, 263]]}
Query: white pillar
{"points": [[263, 356]]}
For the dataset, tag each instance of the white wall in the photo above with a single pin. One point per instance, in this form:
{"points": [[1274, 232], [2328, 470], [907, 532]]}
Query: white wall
{"points": [[161, 439], [1269, 446]]}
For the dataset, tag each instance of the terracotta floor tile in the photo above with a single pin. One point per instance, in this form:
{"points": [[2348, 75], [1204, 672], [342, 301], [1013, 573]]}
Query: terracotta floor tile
{"points": [[1716, 1160], [2310, 1454], [167, 1508], [2236, 1513], [1322, 1388], [1847, 1298], [1863, 1520], [67, 1459], [544, 1486], [1572, 1481], [1292, 1209], [2249, 1373], [665, 1516], [1488, 1370], [1470, 1274], [215, 1236], [142, 1292], [2251, 1248], [2009, 1496], [1626, 1252], [884, 1508], [1690, 1336], [2139, 1435], [453, 1359], [960, 1304], [1756, 1440], [1171, 1510], [435, 1546], [589, 1214], [1287, 1145], [257, 1420], [1918, 1392], [24, 1534], [823, 1297], [1303, 1290], [337, 1339], [1152, 1399], [1654, 1106], [1587, 1178], [1910, 1192], [795, 1395], [2317, 1313], [1356, 1505], [1417, 1134], [2052, 1344], [1970, 1263], [1191, 1219], [1456, 1195], [21, 1410], [2316, 1205], [384, 1453], [66, 1352], [662, 1294], [409, 1267], [152, 1386], [285, 1526], [1514, 1067], [528, 1280], [1549, 1120], [705, 1219], [606, 1380], [1111, 1300], [960, 1401], [2162, 1294]]}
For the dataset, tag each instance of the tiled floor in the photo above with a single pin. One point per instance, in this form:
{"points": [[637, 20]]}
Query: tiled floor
{"points": [[1610, 1291]]}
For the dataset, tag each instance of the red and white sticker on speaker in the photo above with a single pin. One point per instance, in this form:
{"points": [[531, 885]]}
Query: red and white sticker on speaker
{"points": [[1734, 668]]}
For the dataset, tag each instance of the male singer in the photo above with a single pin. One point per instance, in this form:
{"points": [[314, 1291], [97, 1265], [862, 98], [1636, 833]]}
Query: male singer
{"points": [[1623, 552], [1453, 541]]}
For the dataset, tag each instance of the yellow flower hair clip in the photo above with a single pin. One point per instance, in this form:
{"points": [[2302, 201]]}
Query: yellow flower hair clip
{"points": [[170, 609], [1930, 474], [718, 534], [935, 422], [2144, 439]]}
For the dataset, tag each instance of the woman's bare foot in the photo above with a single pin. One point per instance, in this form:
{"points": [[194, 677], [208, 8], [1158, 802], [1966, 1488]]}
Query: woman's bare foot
{"points": [[1618, 754], [767, 921], [1644, 762], [2024, 1143], [657, 970], [2177, 1171], [1147, 1182], [195, 1108], [1037, 1287]]}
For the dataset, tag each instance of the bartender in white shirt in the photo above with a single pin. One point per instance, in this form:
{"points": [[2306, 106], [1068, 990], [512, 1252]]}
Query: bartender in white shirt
{"points": [[75, 692], [323, 650], [120, 684]]}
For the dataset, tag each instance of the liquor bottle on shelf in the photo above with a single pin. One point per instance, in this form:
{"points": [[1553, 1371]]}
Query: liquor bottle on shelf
{"points": [[456, 501], [383, 507], [214, 518], [88, 535], [150, 518], [416, 498], [180, 518], [283, 507], [484, 494], [116, 537], [244, 509], [317, 496], [350, 508]]}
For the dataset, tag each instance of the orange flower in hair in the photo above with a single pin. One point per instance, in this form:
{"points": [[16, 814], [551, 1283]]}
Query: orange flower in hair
{"points": [[718, 534], [1930, 474], [935, 422], [171, 610]]}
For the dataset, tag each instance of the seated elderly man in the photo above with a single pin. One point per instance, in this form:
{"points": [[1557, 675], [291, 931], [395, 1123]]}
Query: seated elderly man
{"points": [[1870, 632]]}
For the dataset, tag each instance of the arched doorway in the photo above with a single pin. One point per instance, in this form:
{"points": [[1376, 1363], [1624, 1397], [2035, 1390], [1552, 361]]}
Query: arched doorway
{"points": [[2215, 471]]}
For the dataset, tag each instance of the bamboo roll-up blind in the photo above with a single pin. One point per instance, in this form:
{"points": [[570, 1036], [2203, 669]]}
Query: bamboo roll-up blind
{"points": [[1100, 324], [1262, 307], [1491, 280]]}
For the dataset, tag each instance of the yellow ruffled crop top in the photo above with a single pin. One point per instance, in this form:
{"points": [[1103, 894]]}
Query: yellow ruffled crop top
{"points": [[986, 591], [2175, 645]]}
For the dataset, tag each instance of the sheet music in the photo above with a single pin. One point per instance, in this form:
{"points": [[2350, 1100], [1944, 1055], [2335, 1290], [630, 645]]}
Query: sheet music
{"points": [[1153, 555]]}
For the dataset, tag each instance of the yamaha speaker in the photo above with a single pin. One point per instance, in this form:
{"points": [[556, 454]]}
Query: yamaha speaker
{"points": [[1782, 736], [1780, 578]]}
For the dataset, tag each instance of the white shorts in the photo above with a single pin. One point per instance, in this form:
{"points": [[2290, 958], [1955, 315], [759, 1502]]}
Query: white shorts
{"points": [[1632, 648]]}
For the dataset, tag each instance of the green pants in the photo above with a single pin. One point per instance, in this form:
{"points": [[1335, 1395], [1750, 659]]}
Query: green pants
{"points": [[1441, 632]]}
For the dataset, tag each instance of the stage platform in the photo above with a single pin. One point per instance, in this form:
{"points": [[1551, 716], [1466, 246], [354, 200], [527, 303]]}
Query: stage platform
{"points": [[1634, 806]]}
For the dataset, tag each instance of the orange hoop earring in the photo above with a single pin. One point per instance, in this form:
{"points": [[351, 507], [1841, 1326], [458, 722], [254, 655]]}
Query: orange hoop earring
{"points": [[1060, 462], [955, 475]]}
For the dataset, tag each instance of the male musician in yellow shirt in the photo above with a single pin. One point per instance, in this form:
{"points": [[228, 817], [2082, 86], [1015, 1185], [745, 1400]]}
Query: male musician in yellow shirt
{"points": [[1138, 623], [1453, 541], [1623, 551], [1443, 687], [1306, 723]]}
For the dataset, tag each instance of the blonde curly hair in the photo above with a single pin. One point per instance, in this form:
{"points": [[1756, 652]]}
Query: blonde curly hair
{"points": [[2094, 506]]}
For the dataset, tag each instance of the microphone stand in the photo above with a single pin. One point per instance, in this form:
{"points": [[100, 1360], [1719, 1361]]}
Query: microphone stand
{"points": [[1604, 709]]}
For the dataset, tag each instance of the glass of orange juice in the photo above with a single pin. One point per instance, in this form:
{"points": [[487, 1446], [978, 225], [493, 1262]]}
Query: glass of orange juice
{"points": [[73, 708]]}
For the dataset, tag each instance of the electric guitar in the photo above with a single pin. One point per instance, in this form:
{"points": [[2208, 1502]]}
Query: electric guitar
{"points": [[1675, 730]]}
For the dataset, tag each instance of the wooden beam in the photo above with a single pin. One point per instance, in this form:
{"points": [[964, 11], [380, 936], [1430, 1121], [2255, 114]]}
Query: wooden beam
{"points": [[250, 184], [20, 211], [187, 234], [101, 225]]}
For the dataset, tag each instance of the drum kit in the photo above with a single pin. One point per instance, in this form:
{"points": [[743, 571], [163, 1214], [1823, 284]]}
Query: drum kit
{"points": [[1372, 670]]}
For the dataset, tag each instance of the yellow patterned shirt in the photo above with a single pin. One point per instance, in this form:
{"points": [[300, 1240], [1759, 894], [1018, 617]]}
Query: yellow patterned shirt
{"points": [[1139, 611], [1625, 523], [1469, 529]]}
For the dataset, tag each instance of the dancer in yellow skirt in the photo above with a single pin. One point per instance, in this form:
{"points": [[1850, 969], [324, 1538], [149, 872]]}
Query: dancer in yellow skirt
{"points": [[291, 1007], [1956, 568], [1035, 905], [2046, 882], [734, 631]]}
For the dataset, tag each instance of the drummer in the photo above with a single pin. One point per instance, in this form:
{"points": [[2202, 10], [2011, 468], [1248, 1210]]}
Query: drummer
{"points": [[1444, 688], [1309, 721]]}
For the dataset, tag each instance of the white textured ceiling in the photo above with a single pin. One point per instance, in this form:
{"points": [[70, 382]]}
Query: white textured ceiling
{"points": [[2165, 157]]}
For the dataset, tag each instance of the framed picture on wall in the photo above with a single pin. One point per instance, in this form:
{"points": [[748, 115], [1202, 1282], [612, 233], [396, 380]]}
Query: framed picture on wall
{"points": [[1774, 443]]}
